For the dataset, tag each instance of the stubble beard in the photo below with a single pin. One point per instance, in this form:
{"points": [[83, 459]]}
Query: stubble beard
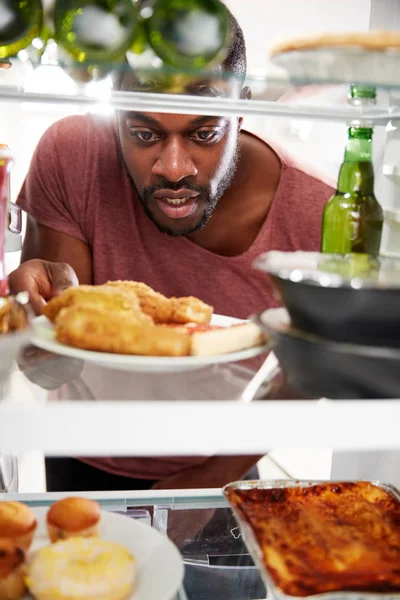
{"points": [[211, 203]]}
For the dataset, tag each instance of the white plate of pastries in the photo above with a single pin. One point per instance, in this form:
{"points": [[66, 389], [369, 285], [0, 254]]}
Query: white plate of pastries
{"points": [[75, 551], [127, 325]]}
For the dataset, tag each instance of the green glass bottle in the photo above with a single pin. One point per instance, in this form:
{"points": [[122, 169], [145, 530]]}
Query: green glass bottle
{"points": [[95, 30], [353, 218], [187, 33], [21, 22]]}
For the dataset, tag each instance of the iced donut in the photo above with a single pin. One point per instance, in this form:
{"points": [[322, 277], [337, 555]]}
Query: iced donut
{"points": [[72, 517], [81, 569]]}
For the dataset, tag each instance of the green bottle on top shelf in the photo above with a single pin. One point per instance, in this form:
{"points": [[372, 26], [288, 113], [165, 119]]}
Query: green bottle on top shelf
{"points": [[188, 34], [361, 95], [96, 30], [353, 218], [20, 23]]}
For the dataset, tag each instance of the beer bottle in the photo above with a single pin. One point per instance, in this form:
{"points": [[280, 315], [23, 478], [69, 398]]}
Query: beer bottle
{"points": [[97, 31], [21, 22], [187, 33], [353, 218]]}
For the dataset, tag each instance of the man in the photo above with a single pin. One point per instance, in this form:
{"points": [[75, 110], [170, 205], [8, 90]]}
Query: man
{"points": [[184, 203]]}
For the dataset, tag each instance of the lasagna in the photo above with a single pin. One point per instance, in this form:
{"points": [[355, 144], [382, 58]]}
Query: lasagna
{"points": [[325, 537]]}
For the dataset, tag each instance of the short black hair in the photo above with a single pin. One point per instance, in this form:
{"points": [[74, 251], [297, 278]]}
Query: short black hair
{"points": [[235, 61]]}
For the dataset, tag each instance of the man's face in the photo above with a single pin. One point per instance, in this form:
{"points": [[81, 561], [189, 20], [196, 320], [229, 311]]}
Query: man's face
{"points": [[180, 164]]}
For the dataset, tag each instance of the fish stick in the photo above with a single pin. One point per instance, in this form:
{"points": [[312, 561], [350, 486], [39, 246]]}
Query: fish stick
{"points": [[190, 310], [152, 303], [167, 310], [95, 328], [108, 298]]}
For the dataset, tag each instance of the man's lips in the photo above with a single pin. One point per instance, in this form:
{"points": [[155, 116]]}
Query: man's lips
{"points": [[177, 208], [175, 195], [177, 204]]}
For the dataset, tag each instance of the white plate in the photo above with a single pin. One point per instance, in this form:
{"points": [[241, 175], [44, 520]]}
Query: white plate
{"points": [[158, 561], [342, 65], [44, 338]]}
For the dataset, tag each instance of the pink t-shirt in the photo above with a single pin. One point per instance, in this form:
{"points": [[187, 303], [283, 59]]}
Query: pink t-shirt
{"points": [[77, 184]]}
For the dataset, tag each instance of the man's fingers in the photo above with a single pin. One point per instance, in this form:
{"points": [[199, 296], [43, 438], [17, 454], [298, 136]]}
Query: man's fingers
{"points": [[62, 277], [37, 302]]}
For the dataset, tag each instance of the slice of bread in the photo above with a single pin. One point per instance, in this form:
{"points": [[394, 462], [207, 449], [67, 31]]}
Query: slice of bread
{"points": [[226, 339]]}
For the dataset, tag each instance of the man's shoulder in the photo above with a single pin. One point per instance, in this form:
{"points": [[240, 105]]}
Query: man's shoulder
{"points": [[298, 171], [307, 176], [80, 129]]}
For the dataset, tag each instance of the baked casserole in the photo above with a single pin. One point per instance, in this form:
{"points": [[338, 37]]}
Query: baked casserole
{"points": [[333, 536]]}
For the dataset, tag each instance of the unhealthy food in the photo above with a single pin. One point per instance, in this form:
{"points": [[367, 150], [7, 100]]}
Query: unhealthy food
{"points": [[17, 523], [372, 40], [129, 317], [14, 313], [152, 303], [12, 584], [81, 569], [97, 295], [71, 517], [94, 328], [190, 310], [325, 537], [226, 339], [167, 310]]}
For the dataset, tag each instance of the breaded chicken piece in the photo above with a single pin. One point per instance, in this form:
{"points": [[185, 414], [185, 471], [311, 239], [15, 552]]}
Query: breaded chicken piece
{"points": [[152, 303], [93, 327], [108, 298], [167, 310], [190, 310]]}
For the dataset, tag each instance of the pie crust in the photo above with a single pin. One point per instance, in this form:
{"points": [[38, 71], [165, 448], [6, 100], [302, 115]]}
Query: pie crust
{"points": [[379, 40]]}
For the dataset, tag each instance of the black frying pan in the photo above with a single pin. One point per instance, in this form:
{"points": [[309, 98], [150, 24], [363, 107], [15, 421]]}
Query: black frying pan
{"points": [[344, 314], [351, 298], [322, 368]]}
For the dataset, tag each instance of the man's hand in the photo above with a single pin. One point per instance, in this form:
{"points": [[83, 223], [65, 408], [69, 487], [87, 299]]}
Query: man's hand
{"points": [[43, 280]]}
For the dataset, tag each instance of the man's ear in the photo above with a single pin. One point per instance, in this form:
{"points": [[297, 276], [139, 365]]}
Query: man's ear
{"points": [[245, 94]]}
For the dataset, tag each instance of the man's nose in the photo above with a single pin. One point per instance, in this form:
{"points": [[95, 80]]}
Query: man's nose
{"points": [[174, 161]]}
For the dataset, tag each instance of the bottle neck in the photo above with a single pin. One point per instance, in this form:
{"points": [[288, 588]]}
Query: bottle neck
{"points": [[358, 149], [357, 172]]}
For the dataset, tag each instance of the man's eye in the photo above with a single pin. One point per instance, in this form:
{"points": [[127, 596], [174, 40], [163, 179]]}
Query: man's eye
{"points": [[205, 136], [143, 136]]}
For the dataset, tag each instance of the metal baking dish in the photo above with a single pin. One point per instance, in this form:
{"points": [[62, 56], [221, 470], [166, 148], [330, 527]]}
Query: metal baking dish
{"points": [[318, 367], [273, 591]]}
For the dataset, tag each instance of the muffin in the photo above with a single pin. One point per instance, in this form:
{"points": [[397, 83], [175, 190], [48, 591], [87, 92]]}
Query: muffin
{"points": [[12, 584], [17, 523], [73, 517], [81, 569]]}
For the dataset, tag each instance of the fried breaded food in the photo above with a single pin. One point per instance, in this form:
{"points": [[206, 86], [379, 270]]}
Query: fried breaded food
{"points": [[167, 310], [94, 327], [190, 310], [152, 303], [106, 297]]}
